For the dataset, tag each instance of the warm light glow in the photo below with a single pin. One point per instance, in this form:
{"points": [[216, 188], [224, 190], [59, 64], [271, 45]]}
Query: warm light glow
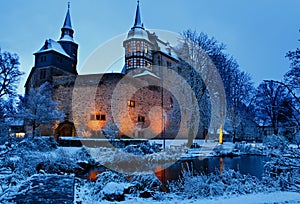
{"points": [[18, 134], [131, 103], [221, 134], [158, 120], [93, 175], [221, 165], [162, 176]]}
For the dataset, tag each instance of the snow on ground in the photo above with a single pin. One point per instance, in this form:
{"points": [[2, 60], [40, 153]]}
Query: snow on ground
{"points": [[258, 198]]}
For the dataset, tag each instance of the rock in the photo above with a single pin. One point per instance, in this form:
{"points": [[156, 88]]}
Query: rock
{"points": [[146, 194]]}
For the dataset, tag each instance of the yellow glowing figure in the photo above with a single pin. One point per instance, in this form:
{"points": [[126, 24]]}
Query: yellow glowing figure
{"points": [[221, 134]]}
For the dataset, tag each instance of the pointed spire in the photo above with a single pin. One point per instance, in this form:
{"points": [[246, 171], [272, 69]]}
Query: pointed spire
{"points": [[67, 29], [138, 20]]}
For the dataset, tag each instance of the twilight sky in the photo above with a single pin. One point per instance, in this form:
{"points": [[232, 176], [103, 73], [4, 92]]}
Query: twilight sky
{"points": [[258, 33]]}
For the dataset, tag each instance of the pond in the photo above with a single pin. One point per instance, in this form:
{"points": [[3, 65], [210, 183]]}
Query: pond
{"points": [[253, 165]]}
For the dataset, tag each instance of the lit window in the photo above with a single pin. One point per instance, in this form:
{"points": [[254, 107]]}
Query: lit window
{"points": [[98, 117], [148, 65], [138, 62], [141, 119], [129, 63], [128, 48], [131, 103], [138, 47], [146, 50]]}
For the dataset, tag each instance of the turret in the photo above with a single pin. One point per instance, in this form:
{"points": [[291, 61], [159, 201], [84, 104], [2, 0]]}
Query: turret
{"points": [[138, 56]]}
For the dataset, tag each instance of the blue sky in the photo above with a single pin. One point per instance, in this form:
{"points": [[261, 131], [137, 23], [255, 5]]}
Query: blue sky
{"points": [[258, 33]]}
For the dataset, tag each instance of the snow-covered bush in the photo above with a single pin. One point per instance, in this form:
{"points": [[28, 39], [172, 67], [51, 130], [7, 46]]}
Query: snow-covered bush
{"points": [[41, 144], [284, 171], [275, 142], [142, 148], [216, 184]]}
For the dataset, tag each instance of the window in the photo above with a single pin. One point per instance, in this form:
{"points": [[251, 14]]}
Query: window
{"points": [[129, 63], [141, 119], [42, 74], [98, 117], [148, 65], [138, 62], [171, 102], [92, 117], [59, 59], [131, 103], [43, 58], [128, 49], [146, 49], [138, 47], [179, 70], [169, 64]]}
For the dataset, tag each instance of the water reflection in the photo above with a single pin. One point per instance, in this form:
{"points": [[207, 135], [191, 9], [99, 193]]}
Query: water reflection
{"points": [[253, 165]]}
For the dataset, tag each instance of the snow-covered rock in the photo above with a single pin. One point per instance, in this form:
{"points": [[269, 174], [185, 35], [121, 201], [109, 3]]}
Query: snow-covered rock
{"points": [[113, 191]]}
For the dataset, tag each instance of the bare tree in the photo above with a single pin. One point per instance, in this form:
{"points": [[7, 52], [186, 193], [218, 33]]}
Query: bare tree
{"points": [[273, 104], [9, 73]]}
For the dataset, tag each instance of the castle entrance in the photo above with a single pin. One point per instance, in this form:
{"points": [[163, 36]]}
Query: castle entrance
{"points": [[65, 129]]}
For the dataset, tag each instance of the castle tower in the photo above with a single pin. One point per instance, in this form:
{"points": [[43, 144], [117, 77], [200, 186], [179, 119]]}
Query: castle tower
{"points": [[55, 58], [66, 40], [138, 56]]}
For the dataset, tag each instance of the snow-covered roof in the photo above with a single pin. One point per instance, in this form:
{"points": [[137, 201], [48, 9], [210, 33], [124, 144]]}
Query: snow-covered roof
{"points": [[66, 38], [145, 73], [138, 33], [167, 49], [52, 45]]}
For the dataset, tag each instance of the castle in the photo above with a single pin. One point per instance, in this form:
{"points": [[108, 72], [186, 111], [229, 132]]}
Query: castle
{"points": [[135, 99]]}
